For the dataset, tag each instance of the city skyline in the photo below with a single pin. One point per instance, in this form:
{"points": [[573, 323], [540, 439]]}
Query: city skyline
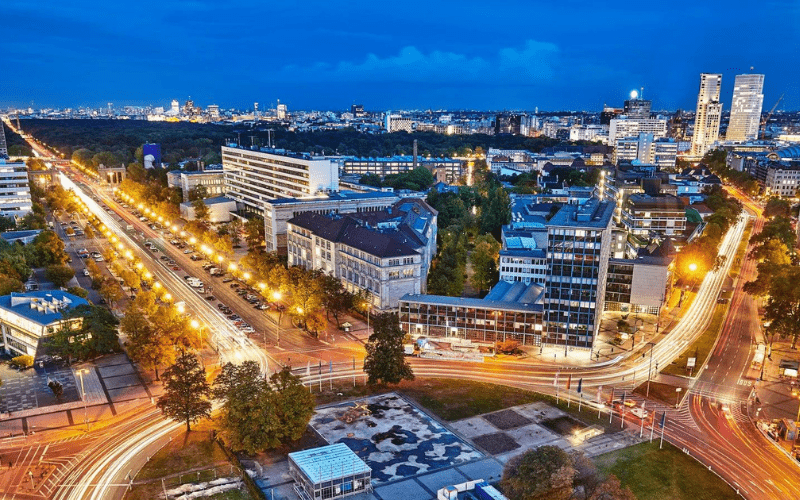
{"points": [[417, 57]]}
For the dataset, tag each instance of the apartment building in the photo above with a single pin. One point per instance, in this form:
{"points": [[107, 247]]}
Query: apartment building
{"points": [[15, 191], [781, 178], [645, 215], [254, 177], [630, 127], [708, 115], [646, 149]]}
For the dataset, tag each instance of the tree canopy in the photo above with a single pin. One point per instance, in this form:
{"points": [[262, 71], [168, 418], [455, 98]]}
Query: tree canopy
{"points": [[186, 391], [385, 361]]}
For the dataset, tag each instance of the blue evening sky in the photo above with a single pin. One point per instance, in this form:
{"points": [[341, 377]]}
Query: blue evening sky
{"points": [[557, 54]]}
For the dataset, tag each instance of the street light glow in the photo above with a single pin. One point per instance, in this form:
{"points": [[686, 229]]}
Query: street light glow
{"points": [[693, 267]]}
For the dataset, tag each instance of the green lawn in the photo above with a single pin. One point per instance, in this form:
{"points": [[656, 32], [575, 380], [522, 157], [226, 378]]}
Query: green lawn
{"points": [[187, 452], [654, 474], [701, 348]]}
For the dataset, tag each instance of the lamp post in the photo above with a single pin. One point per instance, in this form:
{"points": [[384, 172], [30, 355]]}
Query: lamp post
{"points": [[277, 296], [650, 365], [83, 396]]}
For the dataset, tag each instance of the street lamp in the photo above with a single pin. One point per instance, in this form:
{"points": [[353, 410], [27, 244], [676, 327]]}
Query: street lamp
{"points": [[277, 296], [83, 396]]}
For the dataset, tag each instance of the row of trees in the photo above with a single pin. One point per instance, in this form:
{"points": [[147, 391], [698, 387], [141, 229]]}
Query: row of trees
{"points": [[716, 162], [155, 332], [123, 140], [472, 218], [702, 253], [778, 273]]}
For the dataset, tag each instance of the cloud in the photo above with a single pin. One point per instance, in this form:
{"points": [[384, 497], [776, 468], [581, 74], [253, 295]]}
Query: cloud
{"points": [[531, 63]]}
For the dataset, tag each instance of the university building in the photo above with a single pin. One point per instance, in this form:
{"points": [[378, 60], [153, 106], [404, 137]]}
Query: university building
{"points": [[25, 318], [253, 177]]}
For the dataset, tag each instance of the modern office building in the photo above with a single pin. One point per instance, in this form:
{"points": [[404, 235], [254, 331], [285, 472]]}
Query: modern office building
{"points": [[646, 149], [25, 318], [646, 215], [220, 209], [557, 303], [329, 472], [398, 123], [254, 177], [3, 145], [638, 109], [385, 254], [278, 212], [15, 191], [578, 247], [632, 127], [401, 164], [709, 113], [748, 98], [212, 180]]}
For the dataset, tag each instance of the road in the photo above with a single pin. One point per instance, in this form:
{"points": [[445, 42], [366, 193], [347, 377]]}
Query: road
{"points": [[724, 439]]}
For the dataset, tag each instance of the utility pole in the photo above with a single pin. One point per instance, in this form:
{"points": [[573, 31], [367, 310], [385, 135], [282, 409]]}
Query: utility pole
{"points": [[651, 344]]}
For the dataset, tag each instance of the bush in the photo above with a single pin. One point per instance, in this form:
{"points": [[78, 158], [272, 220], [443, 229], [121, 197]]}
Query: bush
{"points": [[509, 346], [22, 362]]}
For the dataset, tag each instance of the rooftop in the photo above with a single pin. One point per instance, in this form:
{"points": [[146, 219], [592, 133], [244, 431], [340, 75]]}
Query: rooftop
{"points": [[662, 201], [504, 296], [333, 196], [42, 307], [403, 158], [327, 463], [592, 214], [352, 232]]}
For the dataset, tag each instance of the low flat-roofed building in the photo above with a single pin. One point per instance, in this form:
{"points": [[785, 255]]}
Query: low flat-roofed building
{"points": [[23, 237], [403, 163], [329, 472], [511, 311], [27, 317], [219, 209], [212, 180]]}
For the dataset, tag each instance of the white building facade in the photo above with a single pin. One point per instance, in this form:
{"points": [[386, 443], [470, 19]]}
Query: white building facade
{"points": [[709, 113], [254, 177], [748, 98], [15, 191]]}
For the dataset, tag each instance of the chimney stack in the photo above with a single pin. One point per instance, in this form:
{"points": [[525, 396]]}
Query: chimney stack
{"points": [[415, 153]]}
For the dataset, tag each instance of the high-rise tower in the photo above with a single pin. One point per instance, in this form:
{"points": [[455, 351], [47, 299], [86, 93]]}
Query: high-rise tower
{"points": [[748, 97], [709, 111]]}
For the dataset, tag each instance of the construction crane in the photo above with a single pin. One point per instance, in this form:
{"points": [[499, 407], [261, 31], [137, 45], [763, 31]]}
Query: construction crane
{"points": [[769, 115]]}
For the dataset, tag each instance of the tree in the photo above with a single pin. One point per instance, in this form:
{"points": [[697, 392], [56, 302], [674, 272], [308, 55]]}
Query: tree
{"points": [[484, 262], [611, 489], [543, 473], [201, 210], [777, 207], [258, 414], [110, 291], [254, 233], [57, 388], [88, 332], [59, 275], [8, 285], [198, 193], [144, 345], [335, 299], [385, 361], [294, 403], [23, 361], [78, 291], [185, 391], [234, 228], [46, 249], [496, 213], [782, 311]]}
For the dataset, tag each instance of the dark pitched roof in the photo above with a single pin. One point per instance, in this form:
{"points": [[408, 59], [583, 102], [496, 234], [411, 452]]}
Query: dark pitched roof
{"points": [[352, 232]]}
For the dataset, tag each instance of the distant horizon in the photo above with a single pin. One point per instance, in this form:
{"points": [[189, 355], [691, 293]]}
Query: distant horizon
{"points": [[571, 55]]}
